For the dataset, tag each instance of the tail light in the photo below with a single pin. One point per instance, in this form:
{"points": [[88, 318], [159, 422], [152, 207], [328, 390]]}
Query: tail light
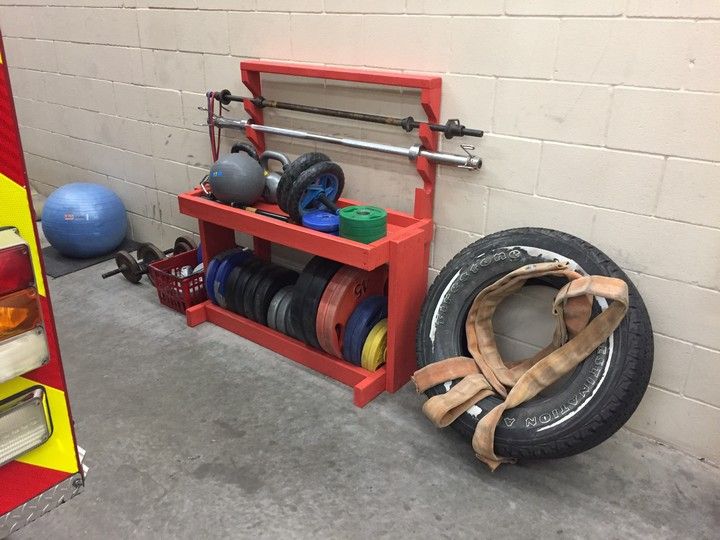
{"points": [[15, 265], [23, 344], [24, 418], [24, 423], [23, 353]]}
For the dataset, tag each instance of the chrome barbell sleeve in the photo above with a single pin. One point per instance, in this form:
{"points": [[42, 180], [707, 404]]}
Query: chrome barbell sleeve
{"points": [[467, 161]]}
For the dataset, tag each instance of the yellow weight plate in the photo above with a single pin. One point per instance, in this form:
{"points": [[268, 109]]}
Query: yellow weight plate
{"points": [[375, 347]]}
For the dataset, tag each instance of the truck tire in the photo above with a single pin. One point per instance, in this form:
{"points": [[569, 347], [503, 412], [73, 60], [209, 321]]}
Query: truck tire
{"points": [[588, 405]]}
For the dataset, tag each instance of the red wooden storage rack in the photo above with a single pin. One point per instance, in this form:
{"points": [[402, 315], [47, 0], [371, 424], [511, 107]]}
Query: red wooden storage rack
{"points": [[405, 249]]}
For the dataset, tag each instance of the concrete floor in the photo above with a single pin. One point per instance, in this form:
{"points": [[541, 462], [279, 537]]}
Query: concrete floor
{"points": [[197, 433]]}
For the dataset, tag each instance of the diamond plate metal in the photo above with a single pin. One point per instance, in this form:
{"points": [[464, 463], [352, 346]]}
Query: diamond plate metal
{"points": [[40, 505]]}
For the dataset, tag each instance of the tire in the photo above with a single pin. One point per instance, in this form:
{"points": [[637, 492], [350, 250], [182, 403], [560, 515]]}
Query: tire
{"points": [[292, 171], [580, 411], [324, 171]]}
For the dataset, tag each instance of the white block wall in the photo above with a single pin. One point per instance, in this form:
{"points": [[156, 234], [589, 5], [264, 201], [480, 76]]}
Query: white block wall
{"points": [[603, 120]]}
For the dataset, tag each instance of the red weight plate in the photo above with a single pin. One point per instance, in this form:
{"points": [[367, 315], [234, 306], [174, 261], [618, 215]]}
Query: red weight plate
{"points": [[346, 290]]}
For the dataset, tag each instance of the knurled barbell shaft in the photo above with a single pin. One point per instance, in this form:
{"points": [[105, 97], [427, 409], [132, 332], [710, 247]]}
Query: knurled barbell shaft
{"points": [[467, 162], [452, 129]]}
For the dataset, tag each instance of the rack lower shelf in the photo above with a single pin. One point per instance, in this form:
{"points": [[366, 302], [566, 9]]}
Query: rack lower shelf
{"points": [[366, 384]]}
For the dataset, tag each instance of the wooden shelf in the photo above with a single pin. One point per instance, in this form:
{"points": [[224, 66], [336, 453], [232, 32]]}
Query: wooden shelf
{"points": [[366, 384], [365, 256], [405, 250]]}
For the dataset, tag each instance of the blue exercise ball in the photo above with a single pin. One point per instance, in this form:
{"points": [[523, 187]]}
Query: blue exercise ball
{"points": [[84, 220]]}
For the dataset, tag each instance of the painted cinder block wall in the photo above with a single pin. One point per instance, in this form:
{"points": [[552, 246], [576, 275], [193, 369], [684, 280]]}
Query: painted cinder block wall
{"points": [[603, 120]]}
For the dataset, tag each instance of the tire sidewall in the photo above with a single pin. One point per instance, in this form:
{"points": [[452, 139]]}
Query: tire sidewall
{"points": [[584, 393]]}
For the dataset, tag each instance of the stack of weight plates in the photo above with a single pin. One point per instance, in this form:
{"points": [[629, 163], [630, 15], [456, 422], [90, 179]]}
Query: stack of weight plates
{"points": [[339, 309], [363, 223], [308, 292], [363, 322], [246, 285], [344, 292], [320, 220]]}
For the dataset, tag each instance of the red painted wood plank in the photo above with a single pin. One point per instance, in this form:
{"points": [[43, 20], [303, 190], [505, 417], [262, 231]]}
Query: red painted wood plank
{"points": [[293, 349], [390, 78], [366, 256], [406, 291], [370, 387]]}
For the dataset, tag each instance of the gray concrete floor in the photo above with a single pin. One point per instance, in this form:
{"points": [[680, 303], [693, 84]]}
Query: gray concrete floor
{"points": [[198, 433]]}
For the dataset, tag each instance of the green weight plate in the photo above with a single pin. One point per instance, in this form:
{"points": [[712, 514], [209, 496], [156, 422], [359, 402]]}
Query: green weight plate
{"points": [[363, 214], [363, 234], [363, 223]]}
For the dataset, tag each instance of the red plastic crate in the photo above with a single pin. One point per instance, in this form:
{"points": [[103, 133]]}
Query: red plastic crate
{"points": [[178, 293]]}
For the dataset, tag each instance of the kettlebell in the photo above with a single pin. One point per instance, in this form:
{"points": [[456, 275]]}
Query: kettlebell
{"points": [[272, 178], [238, 177]]}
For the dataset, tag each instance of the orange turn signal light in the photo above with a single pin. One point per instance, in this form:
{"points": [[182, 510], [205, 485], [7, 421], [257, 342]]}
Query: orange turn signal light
{"points": [[19, 312]]}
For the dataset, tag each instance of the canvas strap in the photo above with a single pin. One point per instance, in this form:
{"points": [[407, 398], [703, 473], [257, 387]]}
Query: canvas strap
{"points": [[486, 373]]}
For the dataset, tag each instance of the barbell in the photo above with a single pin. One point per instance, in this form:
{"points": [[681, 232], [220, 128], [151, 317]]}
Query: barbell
{"points": [[467, 161], [452, 128]]}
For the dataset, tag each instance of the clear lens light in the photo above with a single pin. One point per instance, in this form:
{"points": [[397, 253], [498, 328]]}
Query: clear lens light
{"points": [[23, 425], [23, 353]]}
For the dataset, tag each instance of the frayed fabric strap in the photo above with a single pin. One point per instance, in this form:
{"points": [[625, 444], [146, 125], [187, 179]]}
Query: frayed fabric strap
{"points": [[485, 374]]}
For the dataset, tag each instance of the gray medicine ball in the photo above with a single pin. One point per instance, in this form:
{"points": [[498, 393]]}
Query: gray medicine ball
{"points": [[237, 178]]}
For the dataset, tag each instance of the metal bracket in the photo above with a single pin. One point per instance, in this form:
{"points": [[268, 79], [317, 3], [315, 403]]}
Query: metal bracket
{"points": [[472, 161]]}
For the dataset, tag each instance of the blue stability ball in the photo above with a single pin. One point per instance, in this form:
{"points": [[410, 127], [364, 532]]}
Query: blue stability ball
{"points": [[84, 220]]}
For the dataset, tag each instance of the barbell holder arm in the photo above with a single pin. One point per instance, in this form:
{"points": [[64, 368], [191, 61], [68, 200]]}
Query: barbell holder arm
{"points": [[412, 153], [453, 127]]}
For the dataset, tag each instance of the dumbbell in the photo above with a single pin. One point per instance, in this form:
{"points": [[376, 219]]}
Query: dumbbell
{"points": [[134, 269], [182, 245]]}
